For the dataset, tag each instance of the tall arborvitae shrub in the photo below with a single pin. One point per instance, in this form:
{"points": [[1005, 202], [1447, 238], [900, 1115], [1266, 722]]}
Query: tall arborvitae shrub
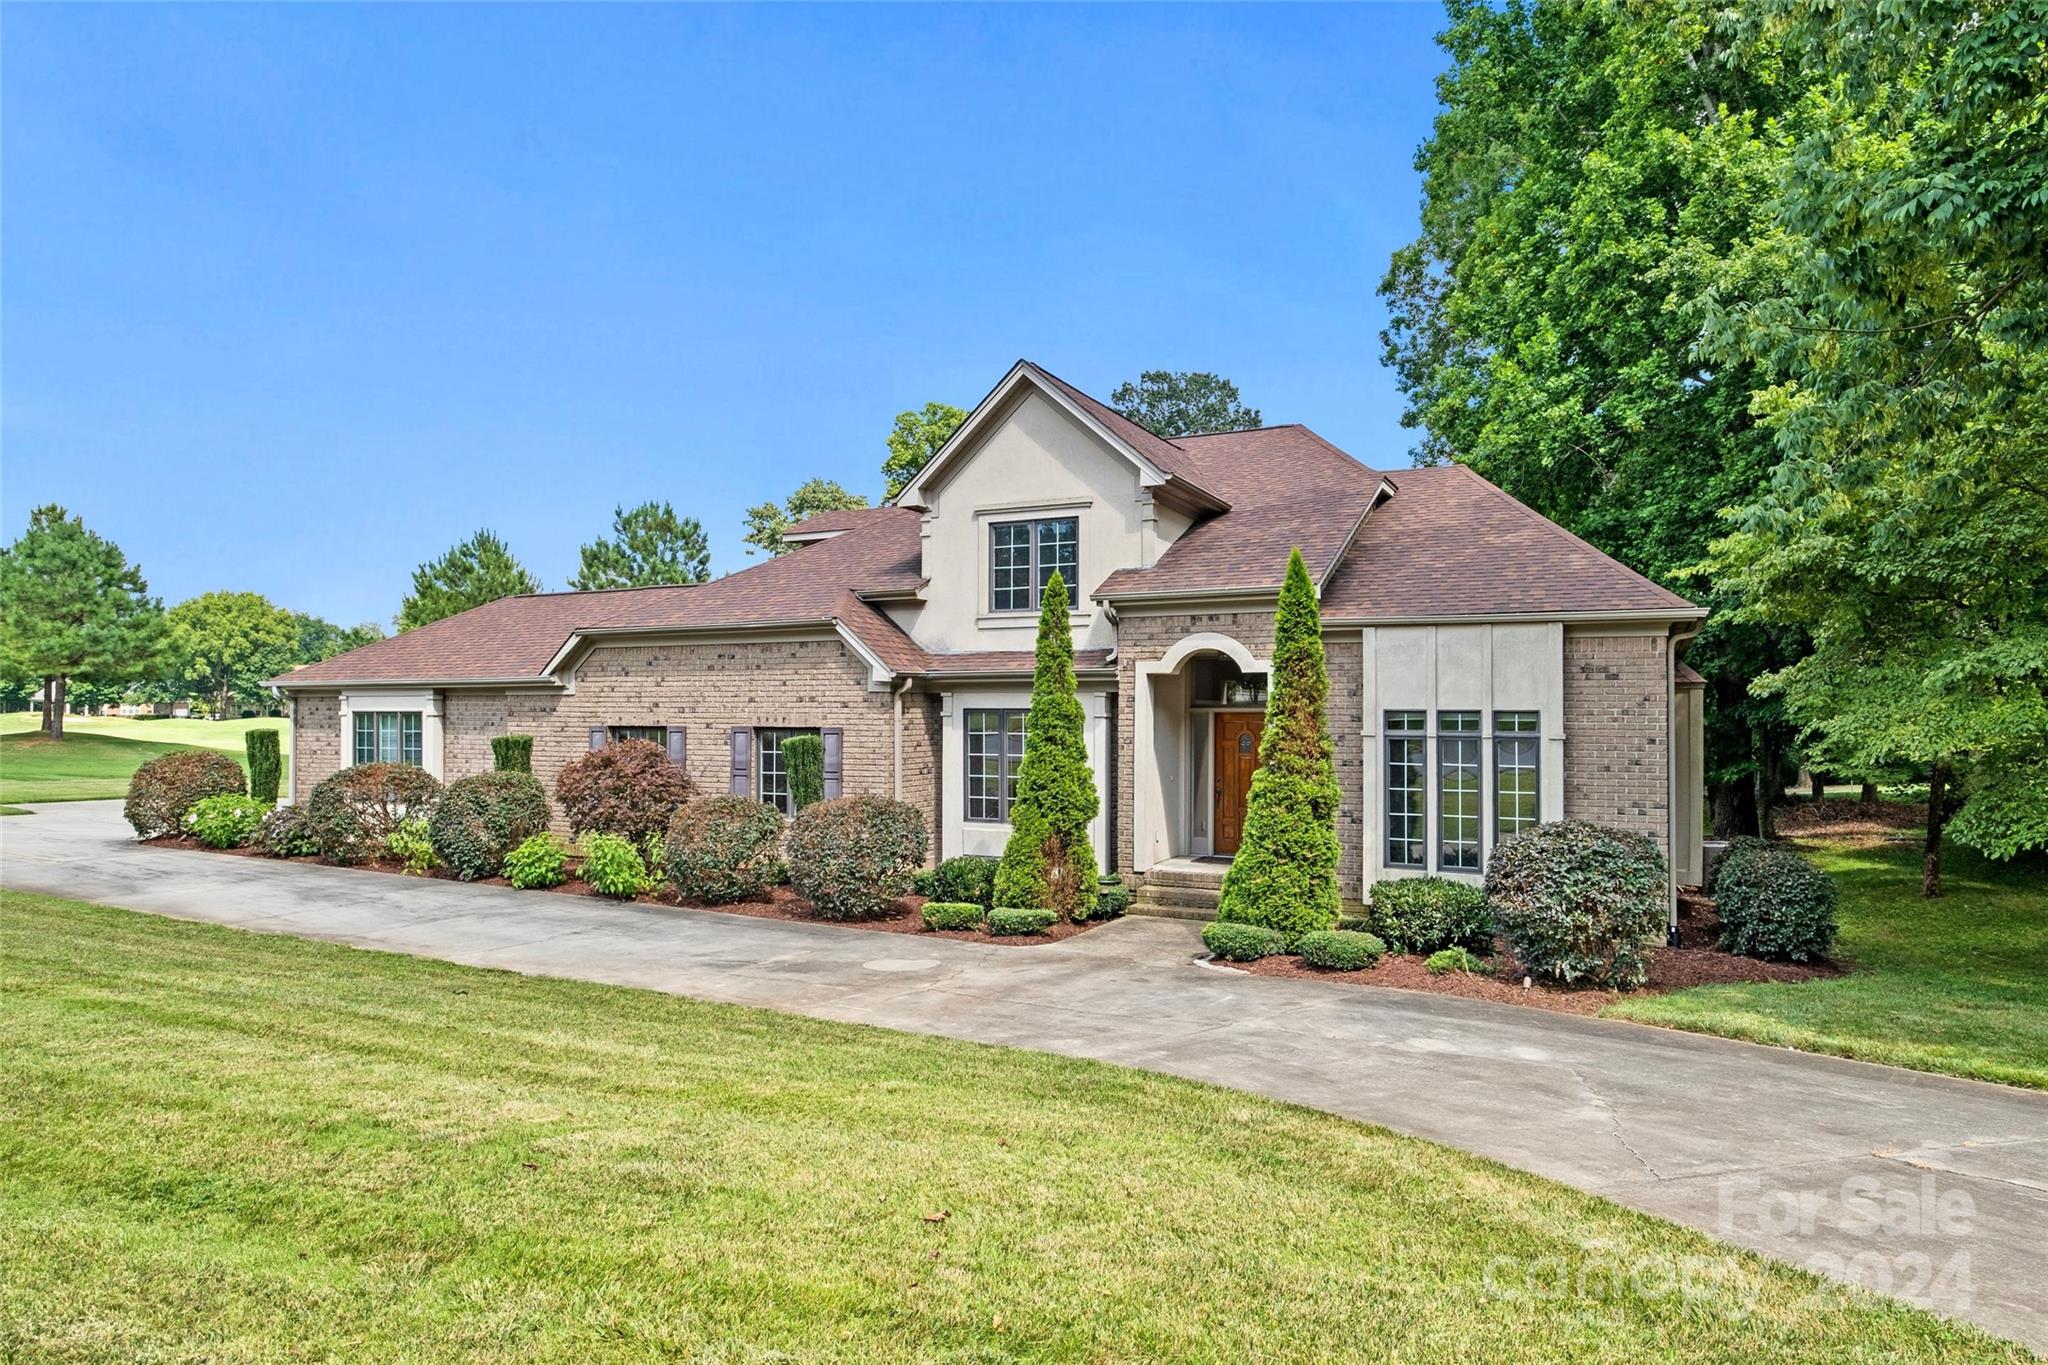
{"points": [[266, 766], [1049, 862], [1285, 874], [512, 753], [803, 758]]}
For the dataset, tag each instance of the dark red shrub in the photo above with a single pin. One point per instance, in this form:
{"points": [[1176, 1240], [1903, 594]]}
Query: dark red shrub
{"points": [[627, 788]]}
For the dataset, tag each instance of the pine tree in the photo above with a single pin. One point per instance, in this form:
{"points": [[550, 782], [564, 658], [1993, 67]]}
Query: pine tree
{"points": [[479, 570], [1049, 862], [1285, 874], [73, 606]]}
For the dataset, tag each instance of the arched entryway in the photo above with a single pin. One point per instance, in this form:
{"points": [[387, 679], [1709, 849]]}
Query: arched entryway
{"points": [[1199, 710]]}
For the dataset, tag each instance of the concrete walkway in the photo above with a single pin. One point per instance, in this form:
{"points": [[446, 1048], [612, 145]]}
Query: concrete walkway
{"points": [[1931, 1188]]}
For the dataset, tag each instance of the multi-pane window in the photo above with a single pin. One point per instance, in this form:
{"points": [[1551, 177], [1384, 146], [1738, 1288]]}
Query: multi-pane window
{"points": [[1516, 745], [771, 774], [653, 734], [388, 737], [1407, 798], [1457, 795], [1023, 556], [995, 751]]}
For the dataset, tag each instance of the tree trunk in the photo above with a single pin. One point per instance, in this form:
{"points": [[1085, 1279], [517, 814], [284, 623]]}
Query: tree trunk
{"points": [[1937, 816], [1734, 809], [1769, 783], [53, 706], [1869, 795], [221, 702], [1820, 788]]}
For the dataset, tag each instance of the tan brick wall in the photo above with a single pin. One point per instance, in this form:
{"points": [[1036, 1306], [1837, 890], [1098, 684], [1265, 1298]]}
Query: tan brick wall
{"points": [[1141, 639], [1616, 733], [469, 721], [316, 742]]}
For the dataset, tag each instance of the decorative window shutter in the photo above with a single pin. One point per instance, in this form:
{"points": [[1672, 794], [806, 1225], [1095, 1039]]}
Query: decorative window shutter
{"points": [[833, 741], [596, 738], [742, 760], [676, 752]]}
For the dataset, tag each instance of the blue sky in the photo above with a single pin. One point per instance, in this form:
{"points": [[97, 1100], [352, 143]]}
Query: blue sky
{"points": [[294, 297]]}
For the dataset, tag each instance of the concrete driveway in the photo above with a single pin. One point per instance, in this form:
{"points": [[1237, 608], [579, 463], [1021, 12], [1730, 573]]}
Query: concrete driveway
{"points": [[1929, 1188]]}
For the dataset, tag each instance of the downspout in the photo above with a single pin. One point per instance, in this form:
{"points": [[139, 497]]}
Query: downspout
{"points": [[1679, 635], [897, 698]]}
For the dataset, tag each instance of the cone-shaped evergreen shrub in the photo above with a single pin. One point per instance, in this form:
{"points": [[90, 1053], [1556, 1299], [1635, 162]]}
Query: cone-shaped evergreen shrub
{"points": [[512, 753], [266, 765], [1049, 863], [1285, 874], [803, 759]]}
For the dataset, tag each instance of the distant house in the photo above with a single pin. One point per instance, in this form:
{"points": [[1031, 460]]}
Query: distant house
{"points": [[1489, 670]]}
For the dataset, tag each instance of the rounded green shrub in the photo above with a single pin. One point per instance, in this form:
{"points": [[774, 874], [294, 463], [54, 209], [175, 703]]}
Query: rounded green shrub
{"points": [[1340, 950], [1773, 903], [1242, 942], [1457, 960], [628, 787], [964, 877], [165, 789], [412, 846], [853, 857], [283, 833], [1010, 921], [354, 812], [225, 821], [612, 866], [1423, 914], [953, 915], [724, 849], [480, 819], [1111, 901], [1576, 901], [538, 863]]}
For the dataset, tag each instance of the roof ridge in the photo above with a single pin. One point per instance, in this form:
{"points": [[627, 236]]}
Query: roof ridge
{"points": [[1531, 514]]}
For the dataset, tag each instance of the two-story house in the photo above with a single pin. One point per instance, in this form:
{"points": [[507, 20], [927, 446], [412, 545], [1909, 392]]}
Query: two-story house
{"points": [[1488, 669]]}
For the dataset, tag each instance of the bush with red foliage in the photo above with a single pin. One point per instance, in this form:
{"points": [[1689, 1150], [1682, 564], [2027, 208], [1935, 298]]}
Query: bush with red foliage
{"points": [[628, 788]]}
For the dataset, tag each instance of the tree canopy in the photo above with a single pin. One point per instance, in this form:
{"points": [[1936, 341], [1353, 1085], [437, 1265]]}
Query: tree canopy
{"points": [[479, 570], [1183, 402], [649, 545], [767, 522], [321, 639], [913, 441], [72, 605], [225, 644]]}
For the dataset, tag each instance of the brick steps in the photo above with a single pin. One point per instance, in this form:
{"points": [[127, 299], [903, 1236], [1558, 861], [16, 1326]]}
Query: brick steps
{"points": [[1181, 890]]}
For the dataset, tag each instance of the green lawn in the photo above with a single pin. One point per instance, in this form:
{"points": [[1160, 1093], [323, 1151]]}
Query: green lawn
{"points": [[1956, 985], [230, 1146], [98, 754]]}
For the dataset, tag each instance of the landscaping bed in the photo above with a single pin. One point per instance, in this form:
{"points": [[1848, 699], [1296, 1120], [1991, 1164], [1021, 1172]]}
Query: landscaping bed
{"points": [[903, 917], [1671, 969]]}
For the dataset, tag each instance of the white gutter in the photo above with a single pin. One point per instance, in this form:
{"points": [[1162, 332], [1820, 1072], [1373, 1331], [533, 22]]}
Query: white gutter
{"points": [[897, 697]]}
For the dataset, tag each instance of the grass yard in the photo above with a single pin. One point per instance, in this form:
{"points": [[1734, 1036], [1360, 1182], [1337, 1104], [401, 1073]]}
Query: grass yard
{"points": [[229, 1146], [98, 754], [1957, 985]]}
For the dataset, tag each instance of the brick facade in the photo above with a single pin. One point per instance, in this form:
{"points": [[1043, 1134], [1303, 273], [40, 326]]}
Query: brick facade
{"points": [[1616, 725], [316, 742]]}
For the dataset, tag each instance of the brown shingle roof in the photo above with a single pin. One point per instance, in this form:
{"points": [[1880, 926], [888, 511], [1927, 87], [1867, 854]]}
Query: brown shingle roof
{"points": [[1448, 543], [845, 519], [1171, 457]]}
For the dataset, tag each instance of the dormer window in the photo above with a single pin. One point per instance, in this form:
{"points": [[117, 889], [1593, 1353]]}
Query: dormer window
{"points": [[1023, 556]]}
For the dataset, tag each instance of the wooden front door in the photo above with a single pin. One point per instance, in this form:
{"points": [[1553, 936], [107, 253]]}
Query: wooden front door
{"points": [[1237, 755]]}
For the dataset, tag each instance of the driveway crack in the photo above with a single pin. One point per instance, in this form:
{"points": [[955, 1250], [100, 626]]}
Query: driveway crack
{"points": [[1613, 1118]]}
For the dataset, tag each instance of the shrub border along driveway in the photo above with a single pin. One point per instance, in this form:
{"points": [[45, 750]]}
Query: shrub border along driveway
{"points": [[1708, 1132]]}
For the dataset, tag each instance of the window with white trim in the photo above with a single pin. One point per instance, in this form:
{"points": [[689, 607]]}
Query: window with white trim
{"points": [[1407, 792], [653, 734], [1023, 556], [995, 753], [1457, 795], [387, 737], [1517, 749], [771, 774]]}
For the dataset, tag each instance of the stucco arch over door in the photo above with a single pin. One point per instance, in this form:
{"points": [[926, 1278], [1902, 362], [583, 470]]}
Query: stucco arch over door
{"points": [[1160, 766]]}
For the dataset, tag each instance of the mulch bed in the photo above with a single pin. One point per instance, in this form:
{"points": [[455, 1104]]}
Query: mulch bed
{"points": [[904, 917], [1697, 964], [1846, 819]]}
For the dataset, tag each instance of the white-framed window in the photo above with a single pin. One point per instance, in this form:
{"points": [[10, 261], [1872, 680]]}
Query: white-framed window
{"points": [[1458, 794], [1407, 789], [653, 734], [1023, 556], [771, 774], [1517, 749], [995, 753], [387, 737]]}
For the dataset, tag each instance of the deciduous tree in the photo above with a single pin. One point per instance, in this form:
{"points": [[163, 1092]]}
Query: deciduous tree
{"points": [[767, 522], [227, 643], [1183, 402], [73, 606], [479, 570], [649, 545], [916, 437]]}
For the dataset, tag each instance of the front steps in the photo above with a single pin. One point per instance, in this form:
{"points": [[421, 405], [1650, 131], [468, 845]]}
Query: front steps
{"points": [[1181, 888]]}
